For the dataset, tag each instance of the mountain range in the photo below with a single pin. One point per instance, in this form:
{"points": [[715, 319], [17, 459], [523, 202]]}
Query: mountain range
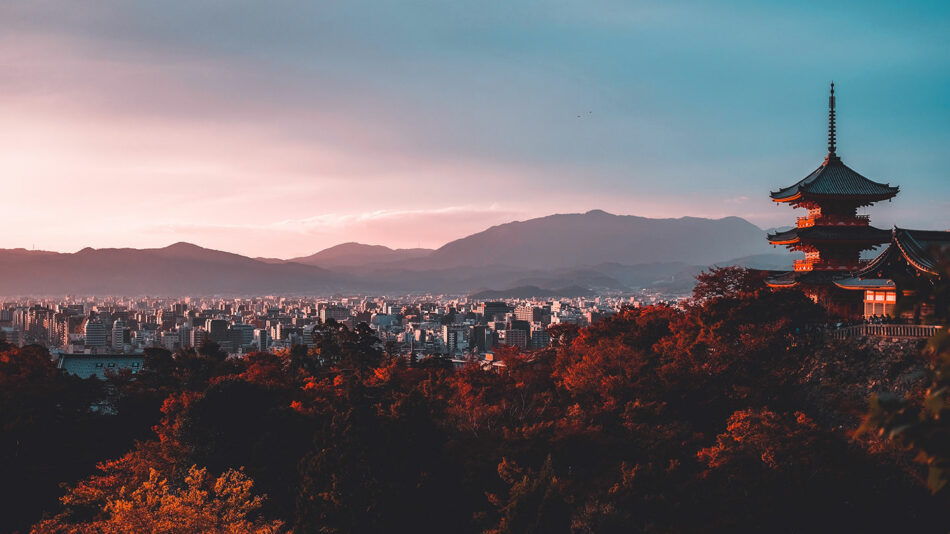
{"points": [[594, 251]]}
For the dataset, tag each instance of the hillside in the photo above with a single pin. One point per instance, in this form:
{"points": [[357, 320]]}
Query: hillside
{"points": [[179, 269], [583, 239], [594, 251]]}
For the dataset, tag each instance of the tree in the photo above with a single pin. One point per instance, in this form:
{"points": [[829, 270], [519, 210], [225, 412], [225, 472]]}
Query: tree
{"points": [[226, 504], [727, 282]]}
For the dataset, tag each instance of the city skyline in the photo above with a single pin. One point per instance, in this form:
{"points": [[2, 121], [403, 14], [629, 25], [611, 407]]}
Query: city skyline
{"points": [[282, 131]]}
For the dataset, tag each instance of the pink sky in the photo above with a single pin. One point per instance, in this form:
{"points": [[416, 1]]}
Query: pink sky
{"points": [[124, 127]]}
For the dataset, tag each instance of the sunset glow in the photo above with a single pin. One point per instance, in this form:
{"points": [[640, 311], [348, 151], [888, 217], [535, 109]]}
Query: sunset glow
{"points": [[271, 132]]}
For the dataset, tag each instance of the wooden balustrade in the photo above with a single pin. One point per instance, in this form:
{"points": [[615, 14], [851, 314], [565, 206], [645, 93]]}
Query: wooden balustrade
{"points": [[902, 331]]}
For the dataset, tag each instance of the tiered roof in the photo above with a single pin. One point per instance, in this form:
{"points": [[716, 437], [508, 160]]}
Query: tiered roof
{"points": [[828, 234], [833, 179], [793, 278]]}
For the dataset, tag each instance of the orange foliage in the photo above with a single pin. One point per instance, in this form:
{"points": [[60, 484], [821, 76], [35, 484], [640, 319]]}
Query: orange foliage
{"points": [[202, 504]]}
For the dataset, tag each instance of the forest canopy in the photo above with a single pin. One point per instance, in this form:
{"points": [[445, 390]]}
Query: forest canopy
{"points": [[718, 415]]}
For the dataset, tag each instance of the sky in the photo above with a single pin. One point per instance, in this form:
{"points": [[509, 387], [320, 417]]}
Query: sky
{"points": [[280, 128]]}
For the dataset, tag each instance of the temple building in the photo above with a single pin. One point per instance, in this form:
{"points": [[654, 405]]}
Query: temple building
{"points": [[912, 262], [833, 235]]}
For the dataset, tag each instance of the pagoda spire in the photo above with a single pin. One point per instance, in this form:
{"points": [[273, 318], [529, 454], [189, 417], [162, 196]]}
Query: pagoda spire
{"points": [[831, 123]]}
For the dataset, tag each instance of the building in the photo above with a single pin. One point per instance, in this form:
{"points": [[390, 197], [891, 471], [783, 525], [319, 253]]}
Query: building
{"points": [[832, 235], [337, 313], [261, 339], [198, 336], [95, 334], [909, 264], [516, 337], [491, 310], [540, 338], [241, 335], [529, 313], [217, 330], [452, 337], [98, 365], [118, 335]]}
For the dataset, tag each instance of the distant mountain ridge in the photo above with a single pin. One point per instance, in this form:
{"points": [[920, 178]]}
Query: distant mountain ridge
{"points": [[179, 269], [569, 241], [593, 251], [352, 254], [583, 239]]}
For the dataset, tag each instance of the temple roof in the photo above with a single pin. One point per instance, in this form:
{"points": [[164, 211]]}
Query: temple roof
{"points": [[835, 179], [918, 248], [859, 234], [793, 278], [864, 284]]}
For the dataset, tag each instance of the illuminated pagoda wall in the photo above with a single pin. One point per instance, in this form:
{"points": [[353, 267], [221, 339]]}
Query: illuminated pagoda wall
{"points": [[832, 235]]}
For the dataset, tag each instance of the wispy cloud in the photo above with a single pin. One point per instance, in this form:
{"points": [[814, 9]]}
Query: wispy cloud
{"points": [[279, 129]]}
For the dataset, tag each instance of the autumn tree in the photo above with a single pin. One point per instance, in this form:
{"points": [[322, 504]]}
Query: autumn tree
{"points": [[225, 504]]}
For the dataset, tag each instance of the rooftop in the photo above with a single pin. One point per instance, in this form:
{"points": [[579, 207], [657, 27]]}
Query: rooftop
{"points": [[918, 248], [856, 234]]}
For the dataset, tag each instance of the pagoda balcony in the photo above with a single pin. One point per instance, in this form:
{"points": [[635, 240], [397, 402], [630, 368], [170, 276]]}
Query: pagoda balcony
{"points": [[828, 265], [833, 220]]}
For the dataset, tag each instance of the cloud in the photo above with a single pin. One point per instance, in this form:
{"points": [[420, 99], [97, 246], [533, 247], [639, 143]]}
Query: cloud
{"points": [[399, 123]]}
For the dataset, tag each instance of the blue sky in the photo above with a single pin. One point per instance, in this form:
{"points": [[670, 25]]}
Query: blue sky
{"points": [[280, 128]]}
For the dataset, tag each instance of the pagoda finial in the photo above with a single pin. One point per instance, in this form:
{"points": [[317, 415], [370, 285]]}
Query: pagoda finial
{"points": [[831, 122]]}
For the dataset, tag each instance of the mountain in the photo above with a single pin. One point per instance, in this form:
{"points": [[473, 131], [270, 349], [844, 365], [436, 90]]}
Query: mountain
{"points": [[584, 239], [593, 251], [354, 254], [179, 269], [526, 292]]}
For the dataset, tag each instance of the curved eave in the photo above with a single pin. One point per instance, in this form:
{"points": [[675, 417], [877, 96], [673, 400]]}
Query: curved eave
{"points": [[859, 284], [911, 258], [788, 242], [781, 284], [807, 196], [791, 198]]}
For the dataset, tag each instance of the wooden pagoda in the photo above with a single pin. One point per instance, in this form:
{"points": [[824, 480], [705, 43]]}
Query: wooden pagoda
{"points": [[833, 234]]}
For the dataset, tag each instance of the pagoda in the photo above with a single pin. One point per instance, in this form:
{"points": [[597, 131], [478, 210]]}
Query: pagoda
{"points": [[833, 234]]}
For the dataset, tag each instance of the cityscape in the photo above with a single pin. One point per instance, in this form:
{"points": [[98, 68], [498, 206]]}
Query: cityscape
{"points": [[93, 337]]}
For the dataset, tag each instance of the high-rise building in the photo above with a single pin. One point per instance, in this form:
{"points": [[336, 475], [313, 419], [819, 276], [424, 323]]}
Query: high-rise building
{"points": [[95, 333], [118, 335], [452, 337], [241, 335], [261, 339], [217, 330], [198, 336]]}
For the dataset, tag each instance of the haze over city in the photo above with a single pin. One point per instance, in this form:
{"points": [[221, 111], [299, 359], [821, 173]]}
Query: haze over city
{"points": [[281, 129]]}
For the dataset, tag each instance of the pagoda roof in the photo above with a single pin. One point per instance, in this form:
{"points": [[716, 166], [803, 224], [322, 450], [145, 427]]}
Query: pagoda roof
{"points": [[835, 179], [918, 248], [859, 234], [864, 284], [794, 278]]}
